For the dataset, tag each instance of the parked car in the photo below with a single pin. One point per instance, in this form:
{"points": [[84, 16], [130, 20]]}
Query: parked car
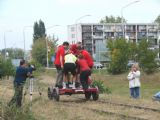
{"points": [[98, 65]]}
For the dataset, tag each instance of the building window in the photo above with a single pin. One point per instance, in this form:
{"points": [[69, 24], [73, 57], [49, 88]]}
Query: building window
{"points": [[72, 29], [73, 36]]}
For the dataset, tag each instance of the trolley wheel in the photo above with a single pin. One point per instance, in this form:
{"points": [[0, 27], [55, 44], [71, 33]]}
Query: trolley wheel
{"points": [[56, 94], [50, 96], [95, 95], [87, 95]]}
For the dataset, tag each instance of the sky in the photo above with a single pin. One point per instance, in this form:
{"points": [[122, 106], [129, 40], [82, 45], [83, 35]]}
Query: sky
{"points": [[15, 15]]}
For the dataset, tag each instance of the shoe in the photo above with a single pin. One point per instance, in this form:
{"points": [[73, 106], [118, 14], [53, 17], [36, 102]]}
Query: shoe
{"points": [[64, 86], [73, 87]]}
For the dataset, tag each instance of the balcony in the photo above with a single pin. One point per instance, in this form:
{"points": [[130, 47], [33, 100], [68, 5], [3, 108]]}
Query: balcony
{"points": [[88, 41], [151, 35], [152, 30], [109, 30], [86, 29], [132, 37], [142, 30], [98, 29], [87, 37], [118, 30], [97, 37]]}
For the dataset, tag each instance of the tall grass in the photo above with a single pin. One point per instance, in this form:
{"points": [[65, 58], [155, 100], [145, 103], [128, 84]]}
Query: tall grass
{"points": [[14, 113]]}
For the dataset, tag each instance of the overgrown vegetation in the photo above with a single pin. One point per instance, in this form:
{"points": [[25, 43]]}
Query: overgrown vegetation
{"points": [[101, 86], [13, 53], [121, 51], [112, 19], [13, 113], [43, 44], [39, 30], [119, 55], [6, 68], [146, 57]]}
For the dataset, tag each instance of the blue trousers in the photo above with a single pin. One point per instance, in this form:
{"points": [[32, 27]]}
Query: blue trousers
{"points": [[135, 92]]}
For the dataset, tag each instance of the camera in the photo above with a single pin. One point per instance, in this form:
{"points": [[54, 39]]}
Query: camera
{"points": [[31, 68]]}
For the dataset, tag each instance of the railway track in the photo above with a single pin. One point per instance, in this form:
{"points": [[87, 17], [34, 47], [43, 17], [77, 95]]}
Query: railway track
{"points": [[130, 106], [106, 112], [125, 105], [121, 106]]}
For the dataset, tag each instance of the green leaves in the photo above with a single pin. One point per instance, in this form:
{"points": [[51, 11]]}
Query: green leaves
{"points": [[146, 57], [122, 51], [119, 55], [39, 30], [112, 19], [6, 68], [14, 53], [102, 88], [157, 20], [39, 51]]}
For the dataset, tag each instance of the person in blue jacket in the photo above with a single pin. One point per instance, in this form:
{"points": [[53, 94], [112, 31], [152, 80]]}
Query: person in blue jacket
{"points": [[22, 72]]}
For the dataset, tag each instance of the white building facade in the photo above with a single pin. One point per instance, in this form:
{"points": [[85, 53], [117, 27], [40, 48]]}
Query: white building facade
{"points": [[94, 36]]}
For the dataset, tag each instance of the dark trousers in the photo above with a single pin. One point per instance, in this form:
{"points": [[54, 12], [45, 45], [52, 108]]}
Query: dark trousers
{"points": [[135, 92], [59, 79], [84, 78], [17, 98]]}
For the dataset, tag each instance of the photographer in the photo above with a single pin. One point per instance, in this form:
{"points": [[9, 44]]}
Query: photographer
{"points": [[22, 72]]}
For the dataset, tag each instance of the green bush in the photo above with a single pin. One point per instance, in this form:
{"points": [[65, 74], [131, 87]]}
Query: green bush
{"points": [[100, 84], [119, 55], [146, 57], [6, 68]]}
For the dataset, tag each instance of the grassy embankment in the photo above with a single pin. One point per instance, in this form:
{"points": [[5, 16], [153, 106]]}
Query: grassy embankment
{"points": [[44, 109]]}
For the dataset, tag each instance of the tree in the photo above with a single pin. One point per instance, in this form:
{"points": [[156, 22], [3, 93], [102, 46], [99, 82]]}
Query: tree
{"points": [[133, 51], [157, 20], [14, 53], [39, 49], [42, 29], [52, 45], [36, 31], [112, 19], [119, 50], [39, 30], [146, 57], [6, 68]]}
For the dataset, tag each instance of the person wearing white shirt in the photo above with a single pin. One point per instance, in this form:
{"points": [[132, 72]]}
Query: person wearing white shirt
{"points": [[134, 81]]}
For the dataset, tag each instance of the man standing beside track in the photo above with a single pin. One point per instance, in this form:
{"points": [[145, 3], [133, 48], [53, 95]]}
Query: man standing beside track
{"points": [[87, 57], [21, 74], [59, 63]]}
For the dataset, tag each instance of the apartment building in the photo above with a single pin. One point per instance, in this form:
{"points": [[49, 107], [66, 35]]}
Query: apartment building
{"points": [[94, 36]]}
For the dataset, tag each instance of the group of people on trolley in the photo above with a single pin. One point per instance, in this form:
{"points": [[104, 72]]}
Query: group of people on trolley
{"points": [[73, 59]]}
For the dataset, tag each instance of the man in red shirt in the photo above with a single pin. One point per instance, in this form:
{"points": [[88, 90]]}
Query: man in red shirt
{"points": [[87, 57], [75, 48], [85, 71], [59, 62]]}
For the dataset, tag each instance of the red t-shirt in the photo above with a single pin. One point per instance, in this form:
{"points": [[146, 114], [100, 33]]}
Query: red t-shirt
{"points": [[73, 48], [60, 52], [88, 58], [83, 65]]}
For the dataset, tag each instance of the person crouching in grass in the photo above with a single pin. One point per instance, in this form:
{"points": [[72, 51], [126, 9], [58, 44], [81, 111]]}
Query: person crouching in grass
{"points": [[85, 71], [69, 66]]}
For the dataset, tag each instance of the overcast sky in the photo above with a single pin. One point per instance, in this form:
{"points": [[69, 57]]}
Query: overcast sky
{"points": [[15, 14]]}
